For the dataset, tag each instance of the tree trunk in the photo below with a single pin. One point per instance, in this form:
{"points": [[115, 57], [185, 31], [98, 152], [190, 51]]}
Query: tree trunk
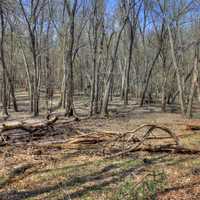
{"points": [[29, 79], [173, 98], [64, 81], [178, 74], [163, 97], [193, 86], [198, 92], [104, 110], [5, 110], [12, 74], [70, 79], [123, 75], [35, 87], [149, 76], [95, 73], [127, 71]]}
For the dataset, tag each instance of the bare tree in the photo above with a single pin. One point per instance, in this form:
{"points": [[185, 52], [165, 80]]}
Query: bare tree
{"points": [[5, 110], [104, 110], [32, 24], [71, 10], [97, 23]]}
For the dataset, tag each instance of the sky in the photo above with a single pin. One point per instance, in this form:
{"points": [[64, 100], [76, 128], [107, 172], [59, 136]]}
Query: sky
{"points": [[111, 5]]}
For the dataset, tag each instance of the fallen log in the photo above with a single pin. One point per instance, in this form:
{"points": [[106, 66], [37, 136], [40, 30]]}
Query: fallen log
{"points": [[153, 127], [193, 127], [127, 142], [113, 144], [28, 127], [172, 149], [11, 132], [20, 132]]}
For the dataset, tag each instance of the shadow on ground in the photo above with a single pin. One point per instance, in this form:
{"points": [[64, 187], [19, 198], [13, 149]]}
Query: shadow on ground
{"points": [[97, 180]]}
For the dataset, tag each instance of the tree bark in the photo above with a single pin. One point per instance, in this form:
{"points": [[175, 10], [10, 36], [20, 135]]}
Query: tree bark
{"points": [[104, 110], [70, 79], [194, 84], [178, 74], [149, 76], [5, 110]]}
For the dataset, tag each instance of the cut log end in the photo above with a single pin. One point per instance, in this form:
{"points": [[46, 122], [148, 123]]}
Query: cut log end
{"points": [[192, 127]]}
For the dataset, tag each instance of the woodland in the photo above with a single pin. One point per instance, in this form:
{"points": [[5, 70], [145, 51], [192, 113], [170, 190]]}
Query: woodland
{"points": [[99, 99]]}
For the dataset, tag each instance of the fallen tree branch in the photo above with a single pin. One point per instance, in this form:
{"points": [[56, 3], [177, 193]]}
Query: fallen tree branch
{"points": [[172, 149], [113, 144], [28, 127], [127, 142], [193, 127], [9, 133], [152, 127]]}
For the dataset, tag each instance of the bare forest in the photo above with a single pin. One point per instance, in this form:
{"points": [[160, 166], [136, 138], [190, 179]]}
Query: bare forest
{"points": [[99, 99]]}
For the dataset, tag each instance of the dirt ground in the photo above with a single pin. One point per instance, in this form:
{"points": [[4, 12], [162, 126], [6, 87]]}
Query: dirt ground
{"points": [[55, 172]]}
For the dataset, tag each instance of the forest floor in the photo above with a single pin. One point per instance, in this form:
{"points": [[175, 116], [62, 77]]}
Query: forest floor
{"points": [[54, 172]]}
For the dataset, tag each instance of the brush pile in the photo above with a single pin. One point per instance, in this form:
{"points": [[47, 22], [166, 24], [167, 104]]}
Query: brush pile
{"points": [[147, 137], [19, 131]]}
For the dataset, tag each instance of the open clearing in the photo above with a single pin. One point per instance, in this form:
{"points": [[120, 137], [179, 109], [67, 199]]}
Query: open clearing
{"points": [[53, 171]]}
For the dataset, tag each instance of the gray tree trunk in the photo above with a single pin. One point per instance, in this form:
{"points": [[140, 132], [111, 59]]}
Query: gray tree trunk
{"points": [[193, 85], [70, 77], [5, 109], [178, 74]]}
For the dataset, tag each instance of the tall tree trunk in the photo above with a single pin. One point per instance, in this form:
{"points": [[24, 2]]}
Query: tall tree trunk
{"points": [[123, 77], [104, 110], [5, 69], [95, 72], [32, 24], [96, 94], [127, 71], [64, 81], [70, 78], [178, 73], [149, 76], [173, 98], [107, 85], [126, 88], [5, 110], [12, 74], [97, 26], [163, 97], [29, 79], [105, 100], [193, 85], [198, 92], [35, 87]]}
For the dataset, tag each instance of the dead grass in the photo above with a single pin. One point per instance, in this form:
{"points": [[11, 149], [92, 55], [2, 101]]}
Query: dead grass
{"points": [[58, 173]]}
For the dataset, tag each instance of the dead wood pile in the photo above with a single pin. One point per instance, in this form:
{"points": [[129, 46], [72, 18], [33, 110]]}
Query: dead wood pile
{"points": [[144, 138], [147, 137], [20, 132], [23, 131], [29, 127]]}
